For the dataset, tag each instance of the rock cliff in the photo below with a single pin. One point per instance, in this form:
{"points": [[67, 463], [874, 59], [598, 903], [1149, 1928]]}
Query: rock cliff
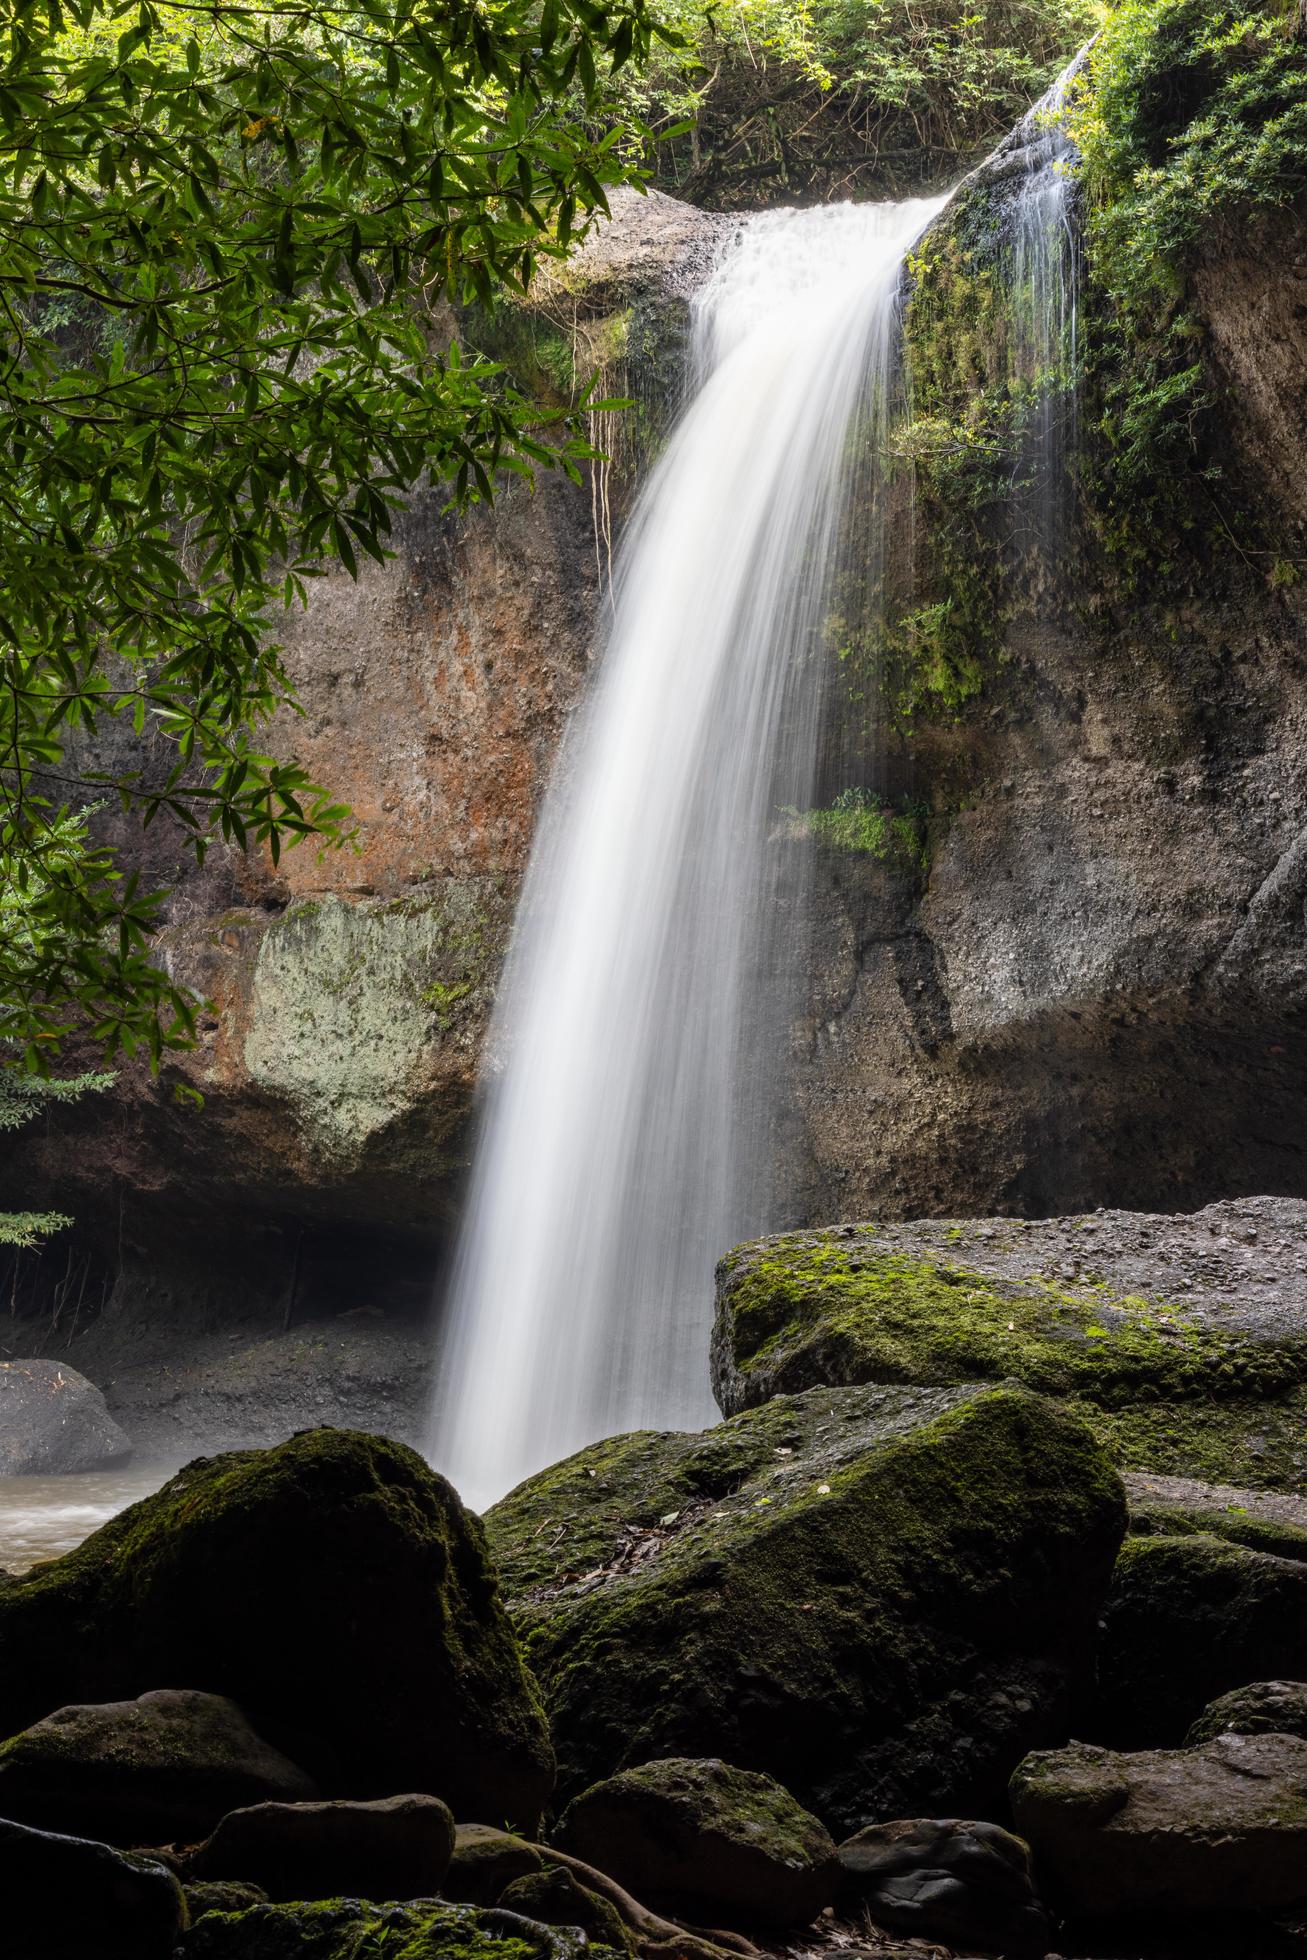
{"points": [[1084, 984]]}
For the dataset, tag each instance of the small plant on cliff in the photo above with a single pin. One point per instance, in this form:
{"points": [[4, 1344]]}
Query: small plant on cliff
{"points": [[227, 233]]}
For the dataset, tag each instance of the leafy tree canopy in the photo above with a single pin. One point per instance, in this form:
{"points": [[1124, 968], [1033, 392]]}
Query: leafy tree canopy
{"points": [[228, 234], [770, 99]]}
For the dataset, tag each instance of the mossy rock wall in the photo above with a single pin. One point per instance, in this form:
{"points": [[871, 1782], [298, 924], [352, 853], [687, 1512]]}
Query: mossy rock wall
{"points": [[335, 1588], [875, 1596]]}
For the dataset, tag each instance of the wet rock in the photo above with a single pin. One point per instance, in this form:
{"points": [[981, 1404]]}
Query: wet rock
{"points": [[67, 1898], [342, 1929], [1262, 1708], [158, 1770], [873, 1595], [52, 1420], [1177, 1358], [334, 1587], [1221, 1827], [965, 1883], [1188, 1619], [484, 1862], [390, 1848], [721, 1845], [557, 1898]]}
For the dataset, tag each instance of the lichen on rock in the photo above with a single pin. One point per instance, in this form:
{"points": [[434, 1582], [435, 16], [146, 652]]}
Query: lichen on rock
{"points": [[347, 1002]]}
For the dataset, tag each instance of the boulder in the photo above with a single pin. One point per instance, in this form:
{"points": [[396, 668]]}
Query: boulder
{"points": [[557, 1898], [390, 1848], [52, 1420], [1262, 1708], [158, 1770], [1177, 1356], [965, 1883], [343, 1929], [721, 1845], [67, 1898], [334, 1587], [1219, 1828], [1188, 1619], [484, 1862], [873, 1595]]}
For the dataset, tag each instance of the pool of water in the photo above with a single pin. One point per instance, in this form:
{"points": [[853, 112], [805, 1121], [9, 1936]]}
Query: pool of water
{"points": [[42, 1517]]}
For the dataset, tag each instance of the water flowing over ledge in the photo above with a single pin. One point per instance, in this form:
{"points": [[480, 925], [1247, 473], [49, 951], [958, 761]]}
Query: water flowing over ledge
{"points": [[639, 1041]]}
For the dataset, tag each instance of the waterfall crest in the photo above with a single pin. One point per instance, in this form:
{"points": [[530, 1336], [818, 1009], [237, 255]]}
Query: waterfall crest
{"points": [[639, 1040]]}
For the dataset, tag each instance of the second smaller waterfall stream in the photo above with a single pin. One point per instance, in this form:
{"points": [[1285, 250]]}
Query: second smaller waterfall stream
{"points": [[639, 1040]]}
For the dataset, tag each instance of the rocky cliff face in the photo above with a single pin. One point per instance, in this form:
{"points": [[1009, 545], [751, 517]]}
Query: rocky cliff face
{"points": [[1088, 990], [349, 992]]}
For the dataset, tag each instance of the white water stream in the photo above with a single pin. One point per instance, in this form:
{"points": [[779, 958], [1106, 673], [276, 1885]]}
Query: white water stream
{"points": [[1045, 295], [640, 1040]]}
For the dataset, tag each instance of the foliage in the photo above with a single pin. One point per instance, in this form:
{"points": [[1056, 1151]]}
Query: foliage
{"points": [[227, 233], [820, 98], [23, 1097], [859, 820], [1195, 111]]}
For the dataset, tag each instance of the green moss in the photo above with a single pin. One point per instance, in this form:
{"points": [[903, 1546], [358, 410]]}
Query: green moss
{"points": [[1160, 1388], [345, 1929], [837, 1565], [811, 1308], [1258, 1442]]}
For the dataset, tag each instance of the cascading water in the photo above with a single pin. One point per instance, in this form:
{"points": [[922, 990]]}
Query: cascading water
{"points": [[1045, 290], [639, 1042]]}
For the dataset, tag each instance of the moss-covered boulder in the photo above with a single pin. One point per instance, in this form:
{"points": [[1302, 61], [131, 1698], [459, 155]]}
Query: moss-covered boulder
{"points": [[1203, 1377], [871, 1594], [723, 1846], [1188, 1619], [1168, 1831], [334, 1587], [159, 1770], [346, 1929]]}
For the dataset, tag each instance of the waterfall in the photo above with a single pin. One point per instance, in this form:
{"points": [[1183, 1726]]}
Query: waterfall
{"points": [[639, 1043], [1044, 283]]}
